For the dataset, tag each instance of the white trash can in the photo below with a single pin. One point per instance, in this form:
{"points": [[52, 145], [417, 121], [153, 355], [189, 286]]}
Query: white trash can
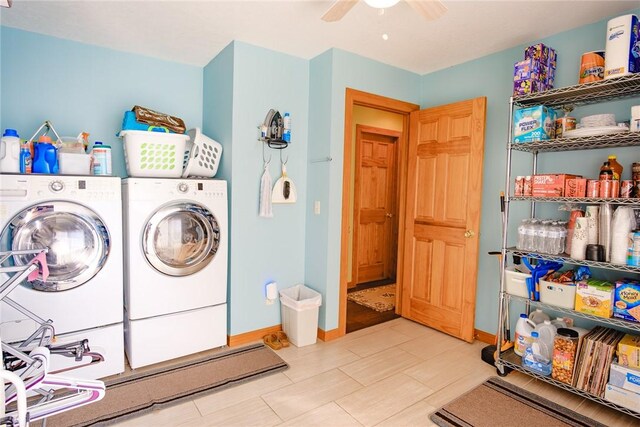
{"points": [[299, 307]]}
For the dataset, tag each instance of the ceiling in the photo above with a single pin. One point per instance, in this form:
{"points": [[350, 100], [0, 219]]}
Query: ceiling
{"points": [[194, 32]]}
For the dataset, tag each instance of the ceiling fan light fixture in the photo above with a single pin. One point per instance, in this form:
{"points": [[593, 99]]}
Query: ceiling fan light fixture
{"points": [[381, 4]]}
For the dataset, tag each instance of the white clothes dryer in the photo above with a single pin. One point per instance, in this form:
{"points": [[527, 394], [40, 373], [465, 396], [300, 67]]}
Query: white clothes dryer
{"points": [[175, 267], [79, 220]]}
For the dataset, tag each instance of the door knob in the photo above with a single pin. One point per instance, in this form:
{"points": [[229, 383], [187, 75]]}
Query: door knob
{"points": [[469, 233], [389, 215]]}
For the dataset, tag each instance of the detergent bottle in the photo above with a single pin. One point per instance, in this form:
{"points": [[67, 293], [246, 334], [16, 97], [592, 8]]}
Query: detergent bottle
{"points": [[10, 152], [523, 339], [46, 157]]}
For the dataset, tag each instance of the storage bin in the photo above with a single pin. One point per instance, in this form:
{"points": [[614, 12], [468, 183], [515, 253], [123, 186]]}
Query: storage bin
{"points": [[74, 164], [202, 155], [299, 307], [558, 294], [154, 154], [515, 282]]}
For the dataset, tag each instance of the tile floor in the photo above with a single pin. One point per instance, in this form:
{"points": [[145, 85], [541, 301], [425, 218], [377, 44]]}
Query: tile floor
{"points": [[392, 374]]}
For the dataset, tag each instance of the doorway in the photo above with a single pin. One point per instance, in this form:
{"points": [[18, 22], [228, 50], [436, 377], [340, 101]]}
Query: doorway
{"points": [[376, 138]]}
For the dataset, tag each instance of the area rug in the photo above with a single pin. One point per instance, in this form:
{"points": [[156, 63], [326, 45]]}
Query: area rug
{"points": [[135, 395], [499, 403], [381, 298]]}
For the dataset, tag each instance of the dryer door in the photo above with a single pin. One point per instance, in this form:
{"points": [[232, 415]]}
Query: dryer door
{"points": [[181, 238], [77, 238]]}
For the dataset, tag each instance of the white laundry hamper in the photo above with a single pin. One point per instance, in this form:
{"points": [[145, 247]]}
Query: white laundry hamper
{"points": [[300, 307], [202, 155]]}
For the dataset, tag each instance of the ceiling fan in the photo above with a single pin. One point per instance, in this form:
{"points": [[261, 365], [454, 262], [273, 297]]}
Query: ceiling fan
{"points": [[429, 9]]}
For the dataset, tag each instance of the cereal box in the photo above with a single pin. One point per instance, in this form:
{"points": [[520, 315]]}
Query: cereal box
{"points": [[534, 124], [629, 351], [595, 297], [626, 300]]}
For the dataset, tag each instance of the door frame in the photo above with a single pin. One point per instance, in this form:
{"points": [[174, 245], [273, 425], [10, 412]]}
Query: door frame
{"points": [[355, 97], [360, 129]]}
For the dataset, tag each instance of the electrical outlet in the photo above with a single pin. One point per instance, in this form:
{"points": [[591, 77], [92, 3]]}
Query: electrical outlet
{"points": [[316, 207]]}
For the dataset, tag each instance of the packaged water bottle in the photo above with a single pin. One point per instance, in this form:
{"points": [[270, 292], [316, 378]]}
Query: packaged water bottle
{"points": [[286, 121], [544, 237], [538, 316], [531, 232], [522, 234], [524, 327]]}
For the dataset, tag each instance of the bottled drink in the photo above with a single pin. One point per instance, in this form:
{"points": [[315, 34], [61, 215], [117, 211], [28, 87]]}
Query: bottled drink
{"points": [[522, 235], [606, 173], [563, 236], [616, 167]]}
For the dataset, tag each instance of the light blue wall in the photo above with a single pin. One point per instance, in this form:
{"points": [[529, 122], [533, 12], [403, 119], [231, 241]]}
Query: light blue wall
{"points": [[79, 87], [325, 183], [491, 76], [265, 249]]}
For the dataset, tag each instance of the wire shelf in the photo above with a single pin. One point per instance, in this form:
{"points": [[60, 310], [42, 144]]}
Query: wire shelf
{"points": [[585, 200], [513, 361], [587, 93], [608, 320], [564, 258], [622, 139]]}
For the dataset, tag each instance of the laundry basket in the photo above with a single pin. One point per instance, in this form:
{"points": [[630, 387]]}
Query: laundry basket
{"points": [[202, 155], [154, 154]]}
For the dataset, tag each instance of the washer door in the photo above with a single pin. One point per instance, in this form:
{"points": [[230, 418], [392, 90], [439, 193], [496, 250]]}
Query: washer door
{"points": [[77, 238], [181, 239]]}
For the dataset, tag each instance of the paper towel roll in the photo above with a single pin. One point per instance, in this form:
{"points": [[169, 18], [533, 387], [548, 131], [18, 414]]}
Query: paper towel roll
{"points": [[592, 224], [621, 38], [604, 227], [634, 125], [579, 240], [623, 222]]}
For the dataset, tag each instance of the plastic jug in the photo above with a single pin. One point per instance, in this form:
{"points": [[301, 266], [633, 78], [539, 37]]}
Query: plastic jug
{"points": [[523, 340], [10, 152], [46, 157], [546, 332], [538, 316], [533, 359]]}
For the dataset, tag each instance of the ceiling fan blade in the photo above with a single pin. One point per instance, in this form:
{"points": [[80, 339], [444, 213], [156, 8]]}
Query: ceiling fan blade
{"points": [[429, 9], [338, 9]]}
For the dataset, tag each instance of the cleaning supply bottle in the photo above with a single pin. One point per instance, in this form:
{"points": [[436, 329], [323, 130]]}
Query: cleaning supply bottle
{"points": [[101, 158], [25, 159], [10, 152], [615, 167], [46, 157], [286, 122], [538, 316], [524, 327]]}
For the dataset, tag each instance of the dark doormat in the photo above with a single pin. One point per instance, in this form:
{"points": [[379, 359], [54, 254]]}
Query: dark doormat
{"points": [[136, 395], [499, 403]]}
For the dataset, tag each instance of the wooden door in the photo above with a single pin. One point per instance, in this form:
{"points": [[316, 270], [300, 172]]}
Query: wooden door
{"points": [[444, 186], [375, 204]]}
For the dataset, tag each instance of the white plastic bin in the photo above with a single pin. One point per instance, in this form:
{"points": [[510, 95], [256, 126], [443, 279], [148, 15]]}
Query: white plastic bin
{"points": [[299, 307]]}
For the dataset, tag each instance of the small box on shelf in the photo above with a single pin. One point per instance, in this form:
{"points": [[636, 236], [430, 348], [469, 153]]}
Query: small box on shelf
{"points": [[550, 185], [594, 297]]}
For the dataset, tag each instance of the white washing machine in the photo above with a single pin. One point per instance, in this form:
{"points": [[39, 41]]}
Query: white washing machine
{"points": [[79, 219], [175, 267]]}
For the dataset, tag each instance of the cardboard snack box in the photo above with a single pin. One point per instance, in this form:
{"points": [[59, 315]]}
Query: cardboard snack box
{"points": [[550, 185], [629, 351], [626, 300], [595, 297]]}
